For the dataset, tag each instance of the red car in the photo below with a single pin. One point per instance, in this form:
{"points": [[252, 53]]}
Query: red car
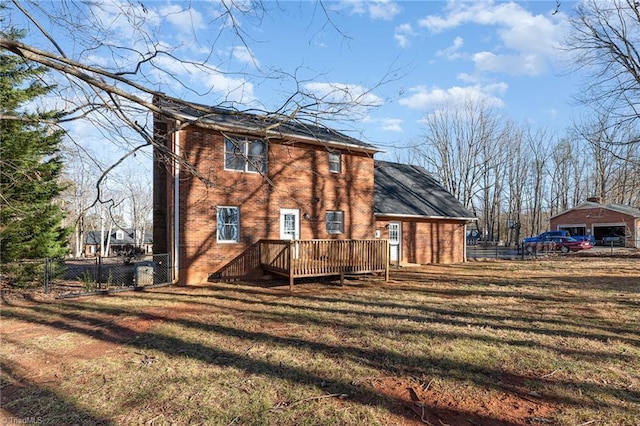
{"points": [[563, 244]]}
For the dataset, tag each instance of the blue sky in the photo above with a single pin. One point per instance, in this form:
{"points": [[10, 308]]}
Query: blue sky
{"points": [[407, 57]]}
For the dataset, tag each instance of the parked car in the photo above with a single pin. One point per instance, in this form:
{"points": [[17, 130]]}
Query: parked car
{"points": [[557, 243], [612, 240], [561, 233]]}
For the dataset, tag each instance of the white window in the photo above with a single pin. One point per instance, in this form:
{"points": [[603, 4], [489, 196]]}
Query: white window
{"points": [[245, 155], [335, 162], [228, 224], [119, 235], [335, 222]]}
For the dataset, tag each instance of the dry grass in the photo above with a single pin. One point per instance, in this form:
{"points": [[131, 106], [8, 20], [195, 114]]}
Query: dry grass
{"points": [[486, 343]]}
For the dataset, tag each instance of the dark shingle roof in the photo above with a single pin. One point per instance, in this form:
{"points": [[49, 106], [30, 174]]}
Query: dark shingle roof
{"points": [[258, 124], [93, 237], [405, 190]]}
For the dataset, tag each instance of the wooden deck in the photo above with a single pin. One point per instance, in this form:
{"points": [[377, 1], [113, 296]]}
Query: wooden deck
{"points": [[312, 258], [315, 258]]}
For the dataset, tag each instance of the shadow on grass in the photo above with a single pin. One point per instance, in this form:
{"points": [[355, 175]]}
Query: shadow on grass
{"points": [[176, 347], [89, 319], [29, 403], [451, 317]]}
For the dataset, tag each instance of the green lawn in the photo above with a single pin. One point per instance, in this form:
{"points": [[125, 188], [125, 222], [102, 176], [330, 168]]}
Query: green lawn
{"points": [[481, 343]]}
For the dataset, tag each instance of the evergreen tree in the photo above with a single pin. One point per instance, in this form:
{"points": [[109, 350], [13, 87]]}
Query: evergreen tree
{"points": [[30, 165]]}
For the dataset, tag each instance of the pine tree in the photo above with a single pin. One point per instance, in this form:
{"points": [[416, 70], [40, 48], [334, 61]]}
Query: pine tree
{"points": [[30, 165]]}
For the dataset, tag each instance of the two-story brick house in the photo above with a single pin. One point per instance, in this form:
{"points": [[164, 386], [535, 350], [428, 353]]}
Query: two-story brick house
{"points": [[224, 180]]}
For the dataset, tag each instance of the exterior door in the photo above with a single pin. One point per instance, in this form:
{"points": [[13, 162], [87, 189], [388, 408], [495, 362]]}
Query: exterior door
{"points": [[395, 242], [289, 224]]}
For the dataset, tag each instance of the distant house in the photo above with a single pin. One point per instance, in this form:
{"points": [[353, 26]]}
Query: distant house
{"points": [[423, 222], [253, 178], [608, 223], [120, 241]]}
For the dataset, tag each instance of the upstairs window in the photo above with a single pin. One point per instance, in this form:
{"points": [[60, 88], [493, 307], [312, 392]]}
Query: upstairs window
{"points": [[335, 222], [245, 155], [228, 224], [335, 162], [119, 235]]}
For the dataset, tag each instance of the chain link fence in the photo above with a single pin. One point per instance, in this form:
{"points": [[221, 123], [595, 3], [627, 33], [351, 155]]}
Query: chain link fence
{"points": [[85, 276]]}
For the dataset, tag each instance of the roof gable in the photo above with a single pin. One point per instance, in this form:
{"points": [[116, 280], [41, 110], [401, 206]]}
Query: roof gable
{"points": [[228, 120], [619, 208], [406, 190]]}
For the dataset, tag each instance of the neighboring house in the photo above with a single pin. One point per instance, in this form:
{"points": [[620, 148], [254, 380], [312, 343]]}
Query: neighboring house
{"points": [[121, 240], [248, 178], [606, 223], [423, 222]]}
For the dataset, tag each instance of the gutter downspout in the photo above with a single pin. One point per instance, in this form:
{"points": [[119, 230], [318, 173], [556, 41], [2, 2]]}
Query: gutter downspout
{"points": [[464, 243], [176, 205]]}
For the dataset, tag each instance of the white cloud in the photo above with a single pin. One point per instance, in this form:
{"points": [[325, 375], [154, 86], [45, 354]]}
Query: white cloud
{"points": [[530, 41], [383, 9], [244, 55], [186, 20], [344, 93], [552, 112], [452, 52], [347, 100], [376, 9], [392, 124], [177, 74], [403, 33], [528, 64], [117, 15], [430, 98]]}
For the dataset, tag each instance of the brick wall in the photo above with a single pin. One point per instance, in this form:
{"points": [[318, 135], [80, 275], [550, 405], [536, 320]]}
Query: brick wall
{"points": [[428, 241], [298, 177]]}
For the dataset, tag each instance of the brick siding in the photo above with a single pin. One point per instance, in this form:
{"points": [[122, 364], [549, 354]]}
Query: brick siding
{"points": [[429, 240], [298, 177]]}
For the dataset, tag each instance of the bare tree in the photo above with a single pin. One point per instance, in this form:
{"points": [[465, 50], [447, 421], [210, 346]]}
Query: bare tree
{"points": [[138, 204], [562, 160], [613, 165], [604, 42], [538, 145], [114, 62], [77, 199], [453, 146], [517, 170], [465, 147]]}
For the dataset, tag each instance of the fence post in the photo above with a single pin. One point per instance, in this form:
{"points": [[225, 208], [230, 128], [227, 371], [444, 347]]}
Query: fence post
{"points": [[46, 275], [99, 274]]}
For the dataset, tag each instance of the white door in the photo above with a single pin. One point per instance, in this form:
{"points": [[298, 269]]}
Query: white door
{"points": [[395, 241], [289, 224]]}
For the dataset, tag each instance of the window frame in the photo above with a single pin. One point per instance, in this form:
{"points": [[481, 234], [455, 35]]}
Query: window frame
{"points": [[219, 210], [333, 163], [340, 222], [242, 155]]}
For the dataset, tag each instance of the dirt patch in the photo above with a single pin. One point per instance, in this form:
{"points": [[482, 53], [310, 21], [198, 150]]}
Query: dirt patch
{"points": [[437, 406]]}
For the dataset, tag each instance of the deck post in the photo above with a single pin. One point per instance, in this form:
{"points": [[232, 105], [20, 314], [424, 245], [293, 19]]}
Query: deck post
{"points": [[386, 263], [291, 266]]}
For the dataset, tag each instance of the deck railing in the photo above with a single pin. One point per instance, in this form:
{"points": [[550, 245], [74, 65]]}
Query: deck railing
{"points": [[313, 258]]}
